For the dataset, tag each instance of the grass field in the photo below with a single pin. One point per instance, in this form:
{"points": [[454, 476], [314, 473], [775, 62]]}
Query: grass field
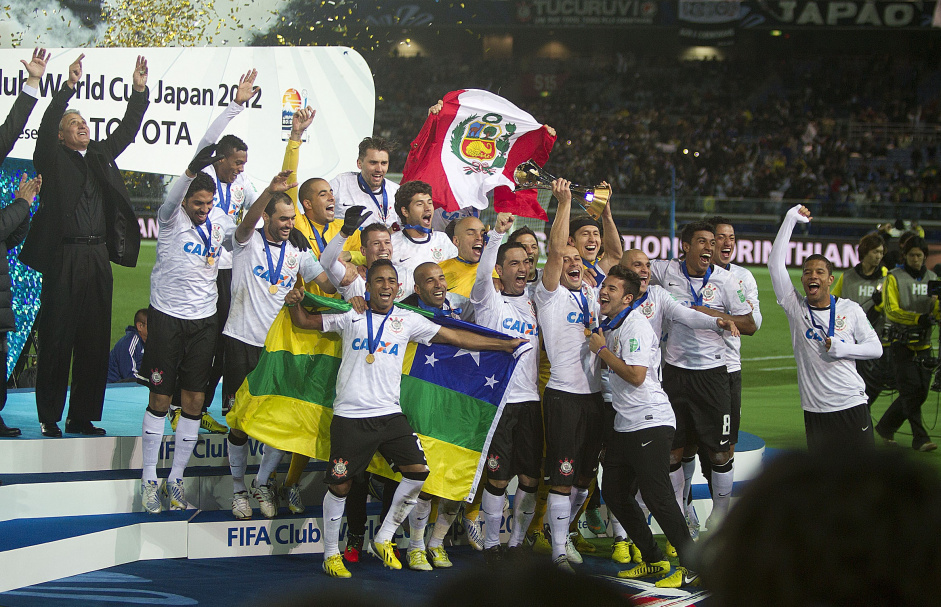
{"points": [[770, 401]]}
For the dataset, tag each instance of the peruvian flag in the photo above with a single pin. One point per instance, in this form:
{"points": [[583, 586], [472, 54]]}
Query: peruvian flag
{"points": [[472, 146]]}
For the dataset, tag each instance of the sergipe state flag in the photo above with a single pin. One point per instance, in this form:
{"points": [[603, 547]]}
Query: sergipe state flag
{"points": [[452, 398], [472, 146]]}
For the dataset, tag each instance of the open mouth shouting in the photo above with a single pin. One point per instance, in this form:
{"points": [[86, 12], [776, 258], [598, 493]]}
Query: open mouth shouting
{"points": [[426, 218], [813, 287]]}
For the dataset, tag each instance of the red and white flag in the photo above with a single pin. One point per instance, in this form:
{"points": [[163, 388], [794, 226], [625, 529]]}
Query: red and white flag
{"points": [[472, 146]]}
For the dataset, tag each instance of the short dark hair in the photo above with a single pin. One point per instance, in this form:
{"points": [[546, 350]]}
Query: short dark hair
{"points": [[229, 144], [377, 265], [719, 220], [201, 183], [819, 257], [405, 193], [375, 143], [630, 278], [868, 243], [506, 247], [579, 222], [373, 227], [904, 236], [280, 197], [306, 190], [915, 242], [696, 226], [140, 316], [515, 234]]}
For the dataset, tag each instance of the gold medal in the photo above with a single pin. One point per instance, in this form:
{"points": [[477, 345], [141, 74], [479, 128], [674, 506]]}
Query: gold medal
{"points": [[587, 332], [210, 261], [273, 289], [370, 358]]}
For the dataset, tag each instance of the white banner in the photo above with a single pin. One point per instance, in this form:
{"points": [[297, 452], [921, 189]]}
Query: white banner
{"points": [[189, 87]]}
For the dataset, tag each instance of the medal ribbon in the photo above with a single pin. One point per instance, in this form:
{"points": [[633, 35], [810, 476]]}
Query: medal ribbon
{"points": [[207, 237], [384, 207], [445, 310], [617, 319], [274, 274], [224, 202], [320, 238], [582, 302], [697, 297], [593, 267], [813, 321], [373, 342], [419, 229]]}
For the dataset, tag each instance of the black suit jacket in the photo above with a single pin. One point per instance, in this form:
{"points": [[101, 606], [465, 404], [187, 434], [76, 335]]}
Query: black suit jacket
{"points": [[14, 218], [63, 181]]}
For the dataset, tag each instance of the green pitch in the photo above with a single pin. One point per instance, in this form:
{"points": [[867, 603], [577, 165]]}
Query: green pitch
{"points": [[770, 401]]}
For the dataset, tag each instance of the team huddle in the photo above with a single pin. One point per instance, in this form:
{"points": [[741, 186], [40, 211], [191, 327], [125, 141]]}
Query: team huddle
{"points": [[643, 356]]}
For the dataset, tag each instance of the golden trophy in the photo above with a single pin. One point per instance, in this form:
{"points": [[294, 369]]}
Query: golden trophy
{"points": [[530, 175]]}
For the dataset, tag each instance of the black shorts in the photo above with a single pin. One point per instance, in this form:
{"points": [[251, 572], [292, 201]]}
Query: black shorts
{"points": [[178, 354], [516, 445], [846, 429], [240, 360], [354, 441], [574, 435], [702, 404], [735, 388]]}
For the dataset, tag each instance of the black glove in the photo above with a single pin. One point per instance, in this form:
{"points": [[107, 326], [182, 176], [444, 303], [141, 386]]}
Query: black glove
{"points": [[298, 239], [204, 158], [924, 321], [353, 219], [877, 297]]}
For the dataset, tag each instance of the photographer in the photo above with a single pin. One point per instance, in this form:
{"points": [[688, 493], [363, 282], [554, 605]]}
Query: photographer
{"points": [[909, 309]]}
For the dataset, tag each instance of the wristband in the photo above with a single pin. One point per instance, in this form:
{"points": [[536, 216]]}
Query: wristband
{"points": [[600, 349]]}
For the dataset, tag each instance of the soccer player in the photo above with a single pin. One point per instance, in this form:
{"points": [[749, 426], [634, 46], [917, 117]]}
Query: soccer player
{"points": [[417, 243], [181, 324], [909, 311], [572, 403], [368, 187], [267, 264], [637, 453], [461, 271], [585, 235], [366, 413], [828, 335], [516, 445], [863, 284], [694, 373]]}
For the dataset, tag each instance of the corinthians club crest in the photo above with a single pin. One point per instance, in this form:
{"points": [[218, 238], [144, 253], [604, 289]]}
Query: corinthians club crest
{"points": [[482, 143]]}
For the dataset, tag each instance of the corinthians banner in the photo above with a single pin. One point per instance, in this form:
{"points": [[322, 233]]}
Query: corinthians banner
{"points": [[189, 87]]}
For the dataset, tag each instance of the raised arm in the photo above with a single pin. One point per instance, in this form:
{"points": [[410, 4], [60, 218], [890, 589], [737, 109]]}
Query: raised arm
{"points": [[558, 235], [278, 185], [301, 120], [23, 106], [483, 283], [777, 262], [246, 90], [469, 340], [174, 197], [14, 218], [126, 131], [611, 241], [47, 138]]}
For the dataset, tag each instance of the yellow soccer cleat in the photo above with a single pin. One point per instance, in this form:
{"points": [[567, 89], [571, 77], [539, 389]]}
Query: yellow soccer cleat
{"points": [[636, 555], [670, 550], [645, 570], [581, 544], [211, 425], [439, 558], [386, 552], [174, 418], [678, 579], [540, 543], [334, 567], [417, 561], [622, 552]]}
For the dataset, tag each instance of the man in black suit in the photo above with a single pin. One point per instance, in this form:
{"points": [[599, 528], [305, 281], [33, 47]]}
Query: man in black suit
{"points": [[84, 220], [14, 218]]}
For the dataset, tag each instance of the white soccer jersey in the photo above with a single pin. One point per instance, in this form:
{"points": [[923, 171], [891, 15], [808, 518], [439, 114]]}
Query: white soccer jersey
{"points": [[358, 288], [827, 380], [748, 286], [372, 390], [686, 347], [348, 193], [512, 315], [646, 405], [254, 307], [408, 254], [574, 368], [182, 283]]}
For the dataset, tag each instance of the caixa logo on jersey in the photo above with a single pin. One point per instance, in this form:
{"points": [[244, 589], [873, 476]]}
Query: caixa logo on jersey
{"points": [[578, 318], [520, 327], [285, 281], [288, 534], [384, 347]]}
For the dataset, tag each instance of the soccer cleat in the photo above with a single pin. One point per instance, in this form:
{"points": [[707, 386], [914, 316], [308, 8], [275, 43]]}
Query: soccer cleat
{"points": [[174, 490], [670, 550], [149, 497], [571, 553], [539, 542], [334, 567], [417, 560], [926, 447], [678, 579], [295, 503], [438, 557], [275, 491], [645, 570], [386, 551], [622, 551], [494, 557], [354, 545], [595, 524], [692, 522], [636, 555], [562, 564], [265, 500], [206, 422], [241, 509], [581, 544], [474, 537], [174, 418]]}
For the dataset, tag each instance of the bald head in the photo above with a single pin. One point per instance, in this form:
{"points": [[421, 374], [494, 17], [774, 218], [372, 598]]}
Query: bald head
{"points": [[637, 260], [430, 284], [469, 238]]}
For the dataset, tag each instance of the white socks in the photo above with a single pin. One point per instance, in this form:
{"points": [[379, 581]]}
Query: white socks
{"points": [[417, 520], [524, 507], [269, 463], [447, 512], [333, 507], [492, 507], [187, 431], [402, 503], [557, 511], [722, 493], [152, 433], [238, 462], [577, 498]]}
